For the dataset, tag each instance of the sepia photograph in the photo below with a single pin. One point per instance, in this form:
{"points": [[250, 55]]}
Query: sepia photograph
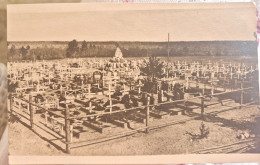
{"points": [[132, 79]]}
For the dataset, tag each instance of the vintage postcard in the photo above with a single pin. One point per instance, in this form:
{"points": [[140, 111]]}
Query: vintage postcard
{"points": [[103, 82]]}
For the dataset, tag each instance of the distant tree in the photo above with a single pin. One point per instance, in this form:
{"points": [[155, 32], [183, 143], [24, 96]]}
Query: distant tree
{"points": [[28, 47], [72, 49], [153, 68], [12, 51], [23, 52], [116, 44], [28, 54], [84, 47]]}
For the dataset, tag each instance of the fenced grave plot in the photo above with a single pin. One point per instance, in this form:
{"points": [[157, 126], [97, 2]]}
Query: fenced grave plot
{"points": [[91, 101], [110, 124]]}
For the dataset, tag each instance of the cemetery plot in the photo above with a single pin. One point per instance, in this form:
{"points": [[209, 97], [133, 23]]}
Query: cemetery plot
{"points": [[80, 100]]}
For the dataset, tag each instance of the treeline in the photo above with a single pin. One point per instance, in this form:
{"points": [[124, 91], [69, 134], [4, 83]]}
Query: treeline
{"points": [[73, 49], [26, 53]]}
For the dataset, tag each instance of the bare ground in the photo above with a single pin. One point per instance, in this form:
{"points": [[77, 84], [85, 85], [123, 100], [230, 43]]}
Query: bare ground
{"points": [[224, 127]]}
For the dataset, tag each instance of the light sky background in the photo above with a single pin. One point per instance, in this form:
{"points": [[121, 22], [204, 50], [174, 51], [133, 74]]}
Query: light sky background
{"points": [[131, 22]]}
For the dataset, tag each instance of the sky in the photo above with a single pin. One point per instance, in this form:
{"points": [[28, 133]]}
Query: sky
{"points": [[131, 22]]}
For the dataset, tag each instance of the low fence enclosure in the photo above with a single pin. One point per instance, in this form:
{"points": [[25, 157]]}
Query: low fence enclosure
{"points": [[74, 121]]}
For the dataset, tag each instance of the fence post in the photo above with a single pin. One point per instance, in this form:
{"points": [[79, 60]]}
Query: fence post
{"points": [[90, 106], [202, 104], [67, 129], [212, 88], [71, 133], [160, 96], [147, 114], [31, 112], [241, 95]]}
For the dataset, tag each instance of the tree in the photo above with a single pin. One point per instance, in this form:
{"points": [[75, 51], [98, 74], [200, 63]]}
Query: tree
{"points": [[28, 47], [12, 51], [84, 48], [28, 54], [72, 49], [23, 52], [153, 68]]}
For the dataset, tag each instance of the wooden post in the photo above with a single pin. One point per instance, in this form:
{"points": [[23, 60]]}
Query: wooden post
{"points": [[147, 114], [212, 88], [124, 87], [71, 132], [235, 82], [139, 87], [90, 106], [61, 89], [67, 129], [197, 83], [202, 104], [49, 78], [31, 112], [89, 88], [160, 96], [110, 99], [241, 95], [130, 85], [98, 83], [103, 81], [187, 82]]}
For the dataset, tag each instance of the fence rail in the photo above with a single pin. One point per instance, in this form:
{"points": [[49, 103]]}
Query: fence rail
{"points": [[69, 128]]}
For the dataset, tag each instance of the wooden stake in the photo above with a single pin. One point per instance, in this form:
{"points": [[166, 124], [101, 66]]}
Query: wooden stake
{"points": [[147, 114], [89, 86], [241, 95], [31, 112], [212, 88], [71, 133], [67, 129], [161, 96], [90, 106], [110, 99], [202, 104], [139, 87]]}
